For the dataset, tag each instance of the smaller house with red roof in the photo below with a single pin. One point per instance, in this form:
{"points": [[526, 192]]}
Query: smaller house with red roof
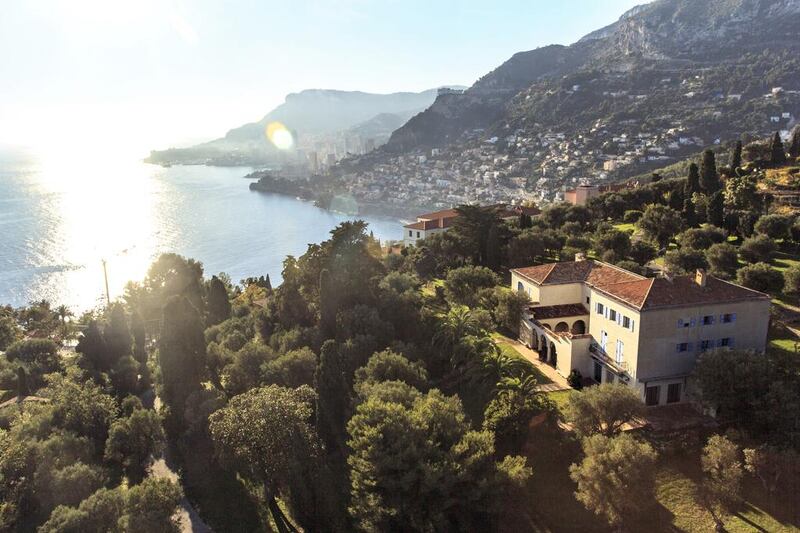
{"points": [[441, 221], [613, 325]]}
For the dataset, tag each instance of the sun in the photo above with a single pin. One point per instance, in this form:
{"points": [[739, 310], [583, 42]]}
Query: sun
{"points": [[280, 136]]}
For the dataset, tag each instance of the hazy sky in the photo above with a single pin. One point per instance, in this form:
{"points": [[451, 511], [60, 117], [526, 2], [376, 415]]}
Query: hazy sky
{"points": [[152, 73]]}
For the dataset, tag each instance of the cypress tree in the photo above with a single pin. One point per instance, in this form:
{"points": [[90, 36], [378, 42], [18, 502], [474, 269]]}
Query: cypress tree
{"points": [[736, 157], [181, 356], [118, 335], [777, 152], [327, 305], [139, 337], [493, 248], [716, 211], [93, 349], [22, 383], [794, 148], [268, 284], [675, 200], [689, 214], [692, 181], [709, 179], [218, 306], [333, 396]]}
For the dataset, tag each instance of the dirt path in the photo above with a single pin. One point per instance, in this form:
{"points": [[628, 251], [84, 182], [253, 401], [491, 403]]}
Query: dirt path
{"points": [[187, 516]]}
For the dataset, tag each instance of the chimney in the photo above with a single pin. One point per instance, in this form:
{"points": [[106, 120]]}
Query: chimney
{"points": [[580, 256], [700, 277]]}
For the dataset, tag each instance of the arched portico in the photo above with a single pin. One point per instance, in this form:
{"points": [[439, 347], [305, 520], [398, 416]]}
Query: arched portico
{"points": [[578, 327], [543, 348], [562, 327]]}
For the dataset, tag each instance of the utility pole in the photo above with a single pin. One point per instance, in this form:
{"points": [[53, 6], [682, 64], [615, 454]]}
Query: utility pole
{"points": [[105, 276]]}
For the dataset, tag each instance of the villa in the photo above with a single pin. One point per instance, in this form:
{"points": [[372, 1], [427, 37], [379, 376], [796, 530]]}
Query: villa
{"points": [[441, 221], [613, 325]]}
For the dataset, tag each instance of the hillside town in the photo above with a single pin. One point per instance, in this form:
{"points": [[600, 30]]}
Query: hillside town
{"points": [[531, 163]]}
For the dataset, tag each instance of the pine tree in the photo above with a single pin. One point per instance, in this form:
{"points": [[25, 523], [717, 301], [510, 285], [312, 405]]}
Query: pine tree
{"points": [[692, 181], [794, 148], [709, 179], [268, 284], [736, 157], [777, 152]]}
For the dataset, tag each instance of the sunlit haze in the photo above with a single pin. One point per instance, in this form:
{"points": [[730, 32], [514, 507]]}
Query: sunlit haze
{"points": [[121, 78]]}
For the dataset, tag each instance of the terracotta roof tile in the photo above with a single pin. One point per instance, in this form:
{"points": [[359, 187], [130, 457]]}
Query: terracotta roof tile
{"points": [[559, 311], [637, 291], [684, 291], [591, 272]]}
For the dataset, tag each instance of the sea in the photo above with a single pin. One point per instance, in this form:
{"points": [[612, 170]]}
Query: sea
{"points": [[62, 219]]}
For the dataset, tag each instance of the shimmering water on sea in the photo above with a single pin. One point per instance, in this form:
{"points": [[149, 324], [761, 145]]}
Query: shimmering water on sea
{"points": [[58, 222]]}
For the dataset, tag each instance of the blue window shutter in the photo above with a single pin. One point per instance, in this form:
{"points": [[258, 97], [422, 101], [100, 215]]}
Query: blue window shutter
{"points": [[733, 317], [680, 322], [730, 342], [689, 347], [713, 319], [631, 325], [678, 348], [719, 343], [692, 322]]}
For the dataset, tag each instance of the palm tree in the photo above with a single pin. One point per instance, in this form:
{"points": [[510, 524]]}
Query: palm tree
{"points": [[525, 385], [460, 322], [63, 312]]}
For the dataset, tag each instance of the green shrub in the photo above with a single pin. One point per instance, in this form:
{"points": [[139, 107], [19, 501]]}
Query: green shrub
{"points": [[760, 277]]}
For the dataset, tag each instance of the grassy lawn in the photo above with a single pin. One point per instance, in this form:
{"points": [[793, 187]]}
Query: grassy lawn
{"points": [[510, 351], [625, 226], [560, 399], [552, 505]]}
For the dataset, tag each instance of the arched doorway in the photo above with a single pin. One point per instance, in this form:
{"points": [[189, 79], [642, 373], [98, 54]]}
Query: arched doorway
{"points": [[534, 341], [553, 355], [579, 327], [562, 327], [543, 349]]}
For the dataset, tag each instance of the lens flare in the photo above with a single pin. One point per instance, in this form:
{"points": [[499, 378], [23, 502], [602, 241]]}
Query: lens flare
{"points": [[280, 136]]}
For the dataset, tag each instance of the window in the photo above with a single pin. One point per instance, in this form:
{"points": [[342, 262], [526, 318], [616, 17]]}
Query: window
{"points": [[727, 318], [705, 345], [410, 233], [603, 340], [618, 355], [599, 308], [674, 393], [587, 299], [708, 320], [685, 322], [612, 315], [725, 343], [626, 322], [417, 235], [684, 347], [651, 395]]}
